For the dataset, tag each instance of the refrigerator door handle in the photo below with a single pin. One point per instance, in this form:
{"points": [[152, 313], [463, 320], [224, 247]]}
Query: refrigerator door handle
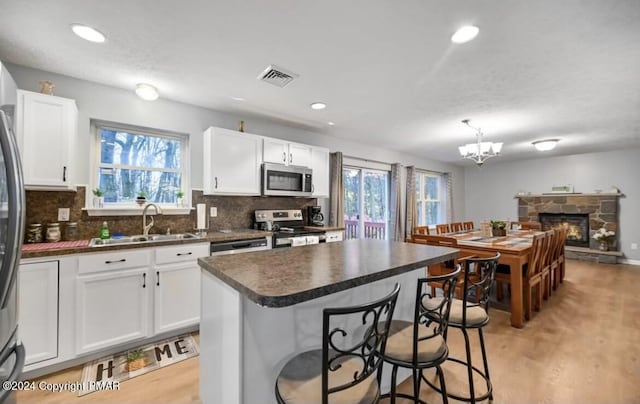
{"points": [[18, 349]]}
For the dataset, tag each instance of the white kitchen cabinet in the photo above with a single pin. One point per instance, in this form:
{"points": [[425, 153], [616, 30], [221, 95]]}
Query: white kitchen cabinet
{"points": [[46, 128], [231, 162], [320, 167], [283, 152], [334, 236], [38, 310], [177, 286], [112, 299]]}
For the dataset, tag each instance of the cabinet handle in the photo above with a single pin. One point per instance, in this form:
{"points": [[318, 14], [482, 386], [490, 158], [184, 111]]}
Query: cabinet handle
{"points": [[313, 188], [181, 254], [216, 182], [290, 158], [284, 157], [115, 262], [144, 280], [157, 278], [64, 174]]}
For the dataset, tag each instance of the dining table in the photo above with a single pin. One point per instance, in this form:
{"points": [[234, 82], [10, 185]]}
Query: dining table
{"points": [[515, 251]]}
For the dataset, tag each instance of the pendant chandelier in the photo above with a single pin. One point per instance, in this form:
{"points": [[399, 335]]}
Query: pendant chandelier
{"points": [[480, 151]]}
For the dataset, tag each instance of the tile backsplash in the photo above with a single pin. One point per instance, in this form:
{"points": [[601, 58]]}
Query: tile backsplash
{"points": [[234, 212]]}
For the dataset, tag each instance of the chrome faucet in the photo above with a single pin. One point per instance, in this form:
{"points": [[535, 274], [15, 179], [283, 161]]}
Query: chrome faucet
{"points": [[146, 227]]}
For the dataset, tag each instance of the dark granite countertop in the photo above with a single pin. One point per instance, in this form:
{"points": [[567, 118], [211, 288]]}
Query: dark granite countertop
{"points": [[286, 276], [212, 236]]}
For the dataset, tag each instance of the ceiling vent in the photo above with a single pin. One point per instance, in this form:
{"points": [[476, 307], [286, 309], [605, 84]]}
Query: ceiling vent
{"points": [[277, 76]]}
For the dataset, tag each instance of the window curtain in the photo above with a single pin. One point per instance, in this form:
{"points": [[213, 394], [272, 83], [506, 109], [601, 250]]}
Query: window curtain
{"points": [[449, 195], [396, 228], [336, 198], [412, 212]]}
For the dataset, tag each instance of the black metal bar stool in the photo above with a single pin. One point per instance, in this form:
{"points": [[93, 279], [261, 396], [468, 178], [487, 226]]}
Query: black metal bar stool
{"points": [[421, 344], [472, 313], [346, 368]]}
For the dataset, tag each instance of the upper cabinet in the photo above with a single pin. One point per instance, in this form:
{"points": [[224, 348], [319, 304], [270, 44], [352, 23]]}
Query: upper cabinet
{"points": [[231, 162], [320, 167], [46, 127], [282, 152]]}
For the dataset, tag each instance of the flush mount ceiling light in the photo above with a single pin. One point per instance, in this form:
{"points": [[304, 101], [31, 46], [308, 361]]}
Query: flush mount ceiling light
{"points": [[88, 33], [147, 92], [465, 34], [318, 105], [330, 123], [237, 98], [546, 144], [480, 151]]}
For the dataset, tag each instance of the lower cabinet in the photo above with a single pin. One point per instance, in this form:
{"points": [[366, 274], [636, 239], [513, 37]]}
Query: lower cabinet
{"points": [[111, 308], [38, 310]]}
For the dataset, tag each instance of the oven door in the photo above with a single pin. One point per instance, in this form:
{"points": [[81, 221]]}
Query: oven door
{"points": [[281, 180]]}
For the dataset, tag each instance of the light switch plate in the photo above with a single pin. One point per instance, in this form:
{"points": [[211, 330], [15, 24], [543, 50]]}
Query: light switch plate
{"points": [[213, 212], [63, 214]]}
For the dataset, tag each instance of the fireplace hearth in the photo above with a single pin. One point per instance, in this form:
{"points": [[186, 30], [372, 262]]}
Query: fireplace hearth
{"points": [[577, 225]]}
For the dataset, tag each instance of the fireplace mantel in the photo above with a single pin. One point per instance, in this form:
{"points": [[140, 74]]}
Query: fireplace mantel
{"points": [[554, 195]]}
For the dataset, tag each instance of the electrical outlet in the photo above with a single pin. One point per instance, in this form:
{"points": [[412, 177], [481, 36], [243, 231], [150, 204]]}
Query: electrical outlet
{"points": [[213, 212], [63, 214], [634, 246]]}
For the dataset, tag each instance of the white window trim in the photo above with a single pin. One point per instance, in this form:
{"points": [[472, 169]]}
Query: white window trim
{"points": [[133, 209], [441, 196], [367, 168]]}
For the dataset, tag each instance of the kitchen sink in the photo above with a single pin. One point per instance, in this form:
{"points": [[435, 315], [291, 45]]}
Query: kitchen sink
{"points": [[139, 239]]}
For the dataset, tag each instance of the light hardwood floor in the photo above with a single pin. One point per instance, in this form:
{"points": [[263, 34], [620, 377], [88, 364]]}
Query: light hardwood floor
{"points": [[583, 347]]}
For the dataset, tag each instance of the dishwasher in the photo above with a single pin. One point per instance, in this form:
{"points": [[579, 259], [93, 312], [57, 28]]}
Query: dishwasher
{"points": [[240, 246]]}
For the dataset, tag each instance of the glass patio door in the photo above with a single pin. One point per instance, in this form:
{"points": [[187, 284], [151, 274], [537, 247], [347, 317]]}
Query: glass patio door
{"points": [[366, 203]]}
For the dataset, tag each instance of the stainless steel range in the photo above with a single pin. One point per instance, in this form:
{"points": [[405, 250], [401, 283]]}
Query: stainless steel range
{"points": [[288, 228]]}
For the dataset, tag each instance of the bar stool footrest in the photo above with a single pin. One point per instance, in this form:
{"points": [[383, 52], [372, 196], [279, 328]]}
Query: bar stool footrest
{"points": [[403, 395], [487, 395]]}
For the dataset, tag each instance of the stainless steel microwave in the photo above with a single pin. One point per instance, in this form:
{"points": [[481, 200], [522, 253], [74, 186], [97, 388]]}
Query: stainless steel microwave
{"points": [[281, 180]]}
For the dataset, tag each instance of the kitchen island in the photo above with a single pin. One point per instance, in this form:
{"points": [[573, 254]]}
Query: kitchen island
{"points": [[261, 308]]}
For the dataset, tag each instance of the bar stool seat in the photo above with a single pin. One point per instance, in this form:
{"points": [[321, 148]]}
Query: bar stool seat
{"points": [[400, 344], [476, 315], [300, 381]]}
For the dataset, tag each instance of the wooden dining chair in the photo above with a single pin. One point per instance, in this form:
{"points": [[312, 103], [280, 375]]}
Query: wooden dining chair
{"points": [[545, 271], [468, 225], [443, 228], [443, 267], [456, 226], [420, 230], [557, 266]]}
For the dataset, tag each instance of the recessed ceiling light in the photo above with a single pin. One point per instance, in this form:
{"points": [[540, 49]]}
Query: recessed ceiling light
{"points": [[318, 105], [88, 33], [545, 145], [146, 91], [330, 123], [237, 98], [465, 34]]}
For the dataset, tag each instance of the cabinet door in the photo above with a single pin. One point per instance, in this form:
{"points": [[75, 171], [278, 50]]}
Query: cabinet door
{"points": [[299, 155], [176, 296], [320, 167], [231, 162], [275, 151], [38, 310], [46, 127], [111, 308]]}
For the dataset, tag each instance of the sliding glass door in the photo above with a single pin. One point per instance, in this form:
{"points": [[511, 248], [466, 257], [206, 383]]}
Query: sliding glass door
{"points": [[366, 203]]}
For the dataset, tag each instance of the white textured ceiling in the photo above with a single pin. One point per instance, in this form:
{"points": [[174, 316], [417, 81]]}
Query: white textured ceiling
{"points": [[387, 70]]}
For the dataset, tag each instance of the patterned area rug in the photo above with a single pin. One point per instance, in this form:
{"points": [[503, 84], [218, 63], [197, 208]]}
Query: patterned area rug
{"points": [[135, 362]]}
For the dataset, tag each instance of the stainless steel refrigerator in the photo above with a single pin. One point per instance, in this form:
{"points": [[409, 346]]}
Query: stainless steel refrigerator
{"points": [[12, 205]]}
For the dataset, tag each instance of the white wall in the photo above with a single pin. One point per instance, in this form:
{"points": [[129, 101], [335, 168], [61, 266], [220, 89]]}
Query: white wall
{"points": [[490, 190], [96, 101]]}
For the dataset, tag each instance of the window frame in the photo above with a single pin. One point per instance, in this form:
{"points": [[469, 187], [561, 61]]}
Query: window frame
{"points": [[442, 214], [131, 208], [361, 203]]}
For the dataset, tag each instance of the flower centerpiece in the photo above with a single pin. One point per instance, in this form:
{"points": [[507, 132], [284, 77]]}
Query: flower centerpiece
{"points": [[499, 228], [604, 237]]}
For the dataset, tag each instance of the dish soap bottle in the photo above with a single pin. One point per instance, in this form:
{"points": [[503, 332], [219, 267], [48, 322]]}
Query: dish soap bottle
{"points": [[104, 231]]}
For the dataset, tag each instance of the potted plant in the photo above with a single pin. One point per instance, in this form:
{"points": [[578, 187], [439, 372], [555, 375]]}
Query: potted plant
{"points": [[142, 198], [136, 360], [605, 238], [98, 198], [498, 228], [179, 198]]}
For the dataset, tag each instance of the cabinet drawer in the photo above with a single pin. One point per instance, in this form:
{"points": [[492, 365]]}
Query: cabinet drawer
{"points": [[333, 236], [112, 260], [181, 253]]}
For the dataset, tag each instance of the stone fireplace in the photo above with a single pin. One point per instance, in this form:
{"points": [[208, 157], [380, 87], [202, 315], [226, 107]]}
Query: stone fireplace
{"points": [[577, 225]]}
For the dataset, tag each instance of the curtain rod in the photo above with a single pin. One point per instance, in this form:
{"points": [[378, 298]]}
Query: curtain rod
{"points": [[366, 160]]}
